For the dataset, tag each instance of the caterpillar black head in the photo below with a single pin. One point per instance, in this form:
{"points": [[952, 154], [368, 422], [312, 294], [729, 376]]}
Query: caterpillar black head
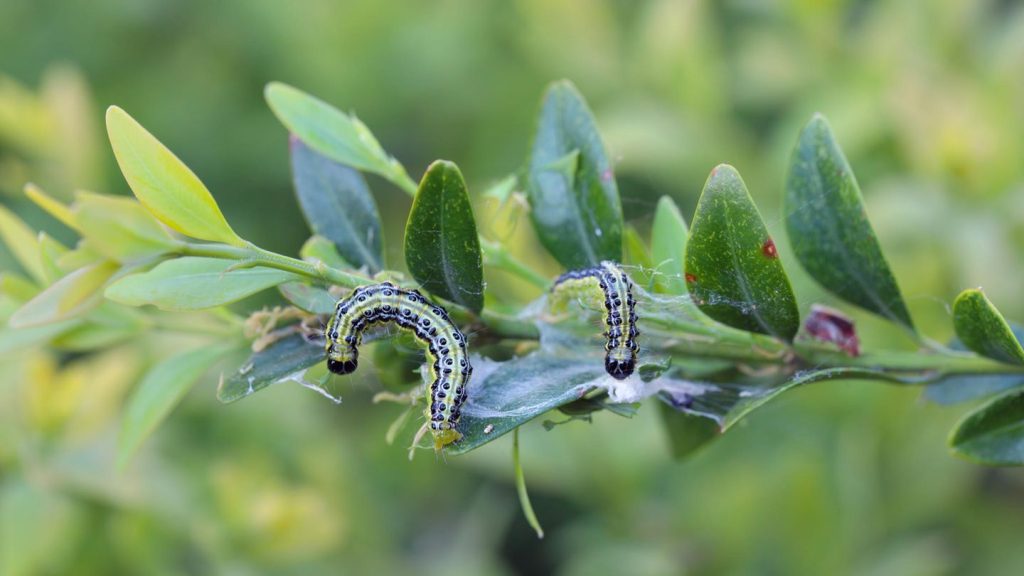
{"points": [[342, 366], [619, 368]]}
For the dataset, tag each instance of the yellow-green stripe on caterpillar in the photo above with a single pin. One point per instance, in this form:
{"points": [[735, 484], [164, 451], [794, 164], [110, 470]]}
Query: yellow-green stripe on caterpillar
{"points": [[448, 361], [608, 288]]}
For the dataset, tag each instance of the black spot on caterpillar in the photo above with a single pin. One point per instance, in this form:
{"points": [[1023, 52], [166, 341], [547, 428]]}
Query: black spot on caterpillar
{"points": [[448, 360], [608, 288]]}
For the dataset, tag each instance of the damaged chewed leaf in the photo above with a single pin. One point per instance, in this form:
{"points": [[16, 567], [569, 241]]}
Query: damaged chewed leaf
{"points": [[829, 229], [732, 267], [502, 397], [279, 361]]}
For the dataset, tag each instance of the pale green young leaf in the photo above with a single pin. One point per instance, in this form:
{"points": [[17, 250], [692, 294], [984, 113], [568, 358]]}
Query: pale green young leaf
{"points": [[50, 253], [17, 287], [21, 241], [193, 283], [668, 247], [66, 298], [339, 136], [51, 205], [120, 228], [164, 184], [160, 391], [320, 249], [81, 256]]}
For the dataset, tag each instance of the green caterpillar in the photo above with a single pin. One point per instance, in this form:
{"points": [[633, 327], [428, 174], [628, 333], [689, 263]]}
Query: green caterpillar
{"points": [[608, 288], [448, 361]]}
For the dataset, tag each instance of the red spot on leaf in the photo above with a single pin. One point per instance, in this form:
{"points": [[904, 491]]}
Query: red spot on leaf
{"points": [[690, 278], [607, 175], [828, 325], [769, 250]]}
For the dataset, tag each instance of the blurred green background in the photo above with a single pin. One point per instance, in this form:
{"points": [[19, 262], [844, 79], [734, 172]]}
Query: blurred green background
{"points": [[926, 97]]}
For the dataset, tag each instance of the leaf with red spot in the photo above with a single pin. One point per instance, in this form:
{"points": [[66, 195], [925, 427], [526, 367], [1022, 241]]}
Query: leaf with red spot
{"points": [[732, 268]]}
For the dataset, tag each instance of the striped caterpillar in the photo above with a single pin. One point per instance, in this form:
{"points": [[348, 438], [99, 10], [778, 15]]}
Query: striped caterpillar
{"points": [[608, 288], [449, 365]]}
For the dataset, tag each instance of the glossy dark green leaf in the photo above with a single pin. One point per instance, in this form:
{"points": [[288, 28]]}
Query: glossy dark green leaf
{"points": [[442, 249], [194, 283], [338, 205], [963, 387], [829, 229], [994, 433], [983, 330], [309, 298], [668, 247], [574, 200], [160, 391], [732, 266], [280, 360]]}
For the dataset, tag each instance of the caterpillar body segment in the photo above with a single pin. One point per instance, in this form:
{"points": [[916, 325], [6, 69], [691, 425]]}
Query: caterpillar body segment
{"points": [[447, 357], [607, 288]]}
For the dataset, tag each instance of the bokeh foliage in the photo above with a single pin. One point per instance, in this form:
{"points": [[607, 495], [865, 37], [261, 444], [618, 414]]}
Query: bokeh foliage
{"points": [[925, 95]]}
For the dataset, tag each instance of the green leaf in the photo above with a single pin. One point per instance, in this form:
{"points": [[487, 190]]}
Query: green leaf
{"points": [[668, 247], [21, 241], [331, 132], [193, 283], [284, 358], [106, 325], [963, 387], [17, 287], [994, 433], [318, 248], [518, 391], [638, 257], [829, 229], [163, 184], [574, 200], [82, 255], [732, 265], [338, 205], [160, 391], [983, 330], [120, 228], [686, 432], [66, 298], [309, 298], [51, 205], [14, 339], [50, 253], [442, 249]]}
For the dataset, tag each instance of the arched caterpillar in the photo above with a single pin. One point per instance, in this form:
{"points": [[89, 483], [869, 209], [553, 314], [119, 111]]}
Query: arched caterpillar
{"points": [[608, 288], [448, 361]]}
